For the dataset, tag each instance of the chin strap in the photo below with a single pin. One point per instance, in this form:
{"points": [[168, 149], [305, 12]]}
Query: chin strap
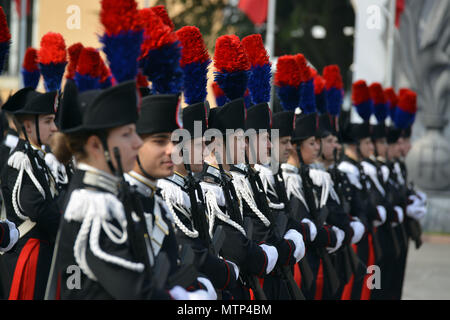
{"points": [[38, 135], [107, 154], [145, 173]]}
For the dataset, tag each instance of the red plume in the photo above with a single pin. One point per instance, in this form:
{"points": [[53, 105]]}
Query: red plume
{"points": [[193, 46], [89, 62], [74, 53], [305, 73], [407, 100], [319, 84], [288, 72], [391, 97], [229, 55], [161, 12], [119, 15], [156, 33], [53, 49], [332, 76], [141, 81], [30, 60], [360, 92], [377, 94], [5, 35], [218, 92], [256, 52]]}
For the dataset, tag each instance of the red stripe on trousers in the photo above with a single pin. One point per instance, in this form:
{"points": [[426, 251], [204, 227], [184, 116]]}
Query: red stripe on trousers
{"points": [[319, 283], [297, 275], [22, 287], [347, 292], [365, 292]]}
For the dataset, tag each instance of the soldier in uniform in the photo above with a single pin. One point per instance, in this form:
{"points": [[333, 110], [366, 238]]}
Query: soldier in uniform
{"points": [[29, 193]]}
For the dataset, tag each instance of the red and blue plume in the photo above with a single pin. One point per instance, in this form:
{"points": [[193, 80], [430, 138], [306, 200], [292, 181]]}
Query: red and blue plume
{"points": [[52, 58], [361, 99], [406, 109], [320, 93], [232, 66], [30, 69], [161, 12], [219, 95], [5, 39], [307, 96], [380, 104], [287, 80], [260, 69], [334, 88], [74, 53], [88, 72], [194, 62], [122, 38], [160, 54], [106, 78], [392, 99]]}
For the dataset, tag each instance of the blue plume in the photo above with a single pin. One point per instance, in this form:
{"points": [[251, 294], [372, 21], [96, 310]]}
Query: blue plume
{"points": [[123, 51], [307, 97], [381, 111], [259, 83], [233, 84], [30, 79], [403, 119], [334, 101], [195, 81], [86, 82], [365, 109], [162, 67], [52, 74], [321, 102], [289, 97], [4, 50]]}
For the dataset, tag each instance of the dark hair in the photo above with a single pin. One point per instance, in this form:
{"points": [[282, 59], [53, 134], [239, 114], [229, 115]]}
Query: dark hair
{"points": [[75, 142]]}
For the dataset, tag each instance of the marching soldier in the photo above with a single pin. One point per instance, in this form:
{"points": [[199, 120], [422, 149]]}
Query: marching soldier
{"points": [[29, 192]]}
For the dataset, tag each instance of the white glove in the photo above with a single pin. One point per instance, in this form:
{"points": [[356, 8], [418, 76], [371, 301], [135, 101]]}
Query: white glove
{"points": [[312, 228], [358, 231], [297, 238], [13, 236], [235, 267], [416, 210], [340, 235], [179, 293], [382, 214], [400, 216], [212, 295], [422, 196], [272, 256]]}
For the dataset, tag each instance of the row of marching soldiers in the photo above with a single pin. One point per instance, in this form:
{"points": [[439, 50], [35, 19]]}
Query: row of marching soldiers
{"points": [[96, 206]]}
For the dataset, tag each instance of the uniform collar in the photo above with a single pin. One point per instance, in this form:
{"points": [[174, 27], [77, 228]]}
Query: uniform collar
{"points": [[99, 178], [144, 185]]}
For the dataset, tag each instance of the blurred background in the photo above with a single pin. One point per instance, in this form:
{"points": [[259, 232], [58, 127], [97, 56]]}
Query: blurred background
{"points": [[399, 43]]}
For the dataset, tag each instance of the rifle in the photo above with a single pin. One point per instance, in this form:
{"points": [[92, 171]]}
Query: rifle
{"points": [[311, 202], [305, 269], [199, 217], [235, 215], [262, 204], [140, 245]]}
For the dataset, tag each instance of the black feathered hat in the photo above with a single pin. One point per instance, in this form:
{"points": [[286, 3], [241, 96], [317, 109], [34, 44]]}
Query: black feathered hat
{"points": [[197, 112], [259, 117], [232, 115], [305, 126], [19, 99], [284, 122], [40, 103], [160, 113], [114, 107]]}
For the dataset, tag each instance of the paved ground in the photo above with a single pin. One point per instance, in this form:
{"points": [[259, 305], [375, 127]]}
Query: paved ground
{"points": [[428, 270]]}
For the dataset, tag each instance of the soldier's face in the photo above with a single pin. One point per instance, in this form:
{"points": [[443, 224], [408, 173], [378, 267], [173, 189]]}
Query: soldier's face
{"points": [[155, 155], [194, 149], [329, 143], [310, 150], [284, 147], [128, 142], [405, 146], [366, 147], [381, 146], [47, 128]]}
